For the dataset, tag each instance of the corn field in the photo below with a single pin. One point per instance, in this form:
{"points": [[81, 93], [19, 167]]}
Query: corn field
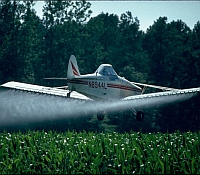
{"points": [[40, 152]]}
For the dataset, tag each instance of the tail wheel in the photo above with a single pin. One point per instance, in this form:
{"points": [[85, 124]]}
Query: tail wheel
{"points": [[140, 116], [100, 115]]}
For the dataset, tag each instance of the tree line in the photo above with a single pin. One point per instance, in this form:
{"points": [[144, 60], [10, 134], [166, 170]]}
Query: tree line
{"points": [[167, 54]]}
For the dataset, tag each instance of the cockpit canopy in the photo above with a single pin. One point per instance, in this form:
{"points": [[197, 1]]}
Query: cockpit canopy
{"points": [[106, 70]]}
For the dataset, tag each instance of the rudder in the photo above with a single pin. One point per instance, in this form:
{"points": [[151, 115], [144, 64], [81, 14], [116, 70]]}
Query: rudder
{"points": [[73, 70]]}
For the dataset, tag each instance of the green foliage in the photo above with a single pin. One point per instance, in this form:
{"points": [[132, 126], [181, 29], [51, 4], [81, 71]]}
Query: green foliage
{"points": [[79, 153], [19, 41]]}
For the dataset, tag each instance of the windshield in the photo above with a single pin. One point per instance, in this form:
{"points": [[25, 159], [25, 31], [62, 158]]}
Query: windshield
{"points": [[108, 71]]}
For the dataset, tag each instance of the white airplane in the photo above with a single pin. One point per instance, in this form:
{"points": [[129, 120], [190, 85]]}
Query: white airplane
{"points": [[105, 85]]}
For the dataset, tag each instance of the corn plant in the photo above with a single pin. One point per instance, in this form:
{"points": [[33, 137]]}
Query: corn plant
{"points": [[40, 152]]}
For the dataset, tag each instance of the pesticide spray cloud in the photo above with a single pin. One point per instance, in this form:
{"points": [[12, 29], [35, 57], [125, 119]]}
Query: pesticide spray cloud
{"points": [[27, 108], [154, 100]]}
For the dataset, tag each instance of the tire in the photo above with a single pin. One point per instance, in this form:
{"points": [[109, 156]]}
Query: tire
{"points": [[140, 116], [100, 115]]}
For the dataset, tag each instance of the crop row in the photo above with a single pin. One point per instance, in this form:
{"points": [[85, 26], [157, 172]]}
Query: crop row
{"points": [[96, 153]]}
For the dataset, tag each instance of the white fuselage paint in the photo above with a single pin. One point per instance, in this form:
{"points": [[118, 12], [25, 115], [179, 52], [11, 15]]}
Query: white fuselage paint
{"points": [[97, 86]]}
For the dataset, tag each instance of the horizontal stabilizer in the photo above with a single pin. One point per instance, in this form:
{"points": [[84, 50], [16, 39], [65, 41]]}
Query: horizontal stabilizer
{"points": [[61, 87], [55, 78]]}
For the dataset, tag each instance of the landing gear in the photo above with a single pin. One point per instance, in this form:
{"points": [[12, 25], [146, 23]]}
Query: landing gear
{"points": [[140, 116], [68, 94], [100, 114]]}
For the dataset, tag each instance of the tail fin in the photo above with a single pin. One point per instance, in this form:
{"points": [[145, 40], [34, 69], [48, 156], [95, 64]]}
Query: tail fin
{"points": [[73, 70]]}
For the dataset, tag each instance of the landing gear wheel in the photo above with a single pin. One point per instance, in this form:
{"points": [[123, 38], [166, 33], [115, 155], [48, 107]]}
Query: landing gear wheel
{"points": [[140, 116], [100, 115]]}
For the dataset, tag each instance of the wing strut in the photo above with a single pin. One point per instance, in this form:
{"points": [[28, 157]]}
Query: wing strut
{"points": [[143, 89], [153, 86]]}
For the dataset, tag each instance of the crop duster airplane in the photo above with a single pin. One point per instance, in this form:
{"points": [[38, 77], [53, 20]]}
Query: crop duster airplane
{"points": [[106, 86]]}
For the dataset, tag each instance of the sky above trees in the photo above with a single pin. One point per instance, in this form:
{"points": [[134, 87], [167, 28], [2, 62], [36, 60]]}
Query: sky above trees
{"points": [[146, 11]]}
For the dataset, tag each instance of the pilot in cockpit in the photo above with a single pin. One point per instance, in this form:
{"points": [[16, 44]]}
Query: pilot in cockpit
{"points": [[106, 72]]}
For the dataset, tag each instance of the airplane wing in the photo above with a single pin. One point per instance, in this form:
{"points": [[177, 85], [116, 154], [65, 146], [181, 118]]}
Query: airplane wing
{"points": [[136, 102], [157, 99], [43, 90]]}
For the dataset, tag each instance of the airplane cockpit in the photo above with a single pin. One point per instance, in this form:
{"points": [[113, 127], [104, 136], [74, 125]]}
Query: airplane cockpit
{"points": [[108, 71]]}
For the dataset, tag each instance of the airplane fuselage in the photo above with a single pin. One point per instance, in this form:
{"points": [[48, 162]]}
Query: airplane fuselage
{"points": [[97, 86], [104, 83]]}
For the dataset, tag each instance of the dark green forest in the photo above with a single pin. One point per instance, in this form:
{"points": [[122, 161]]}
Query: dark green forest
{"points": [[167, 54]]}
